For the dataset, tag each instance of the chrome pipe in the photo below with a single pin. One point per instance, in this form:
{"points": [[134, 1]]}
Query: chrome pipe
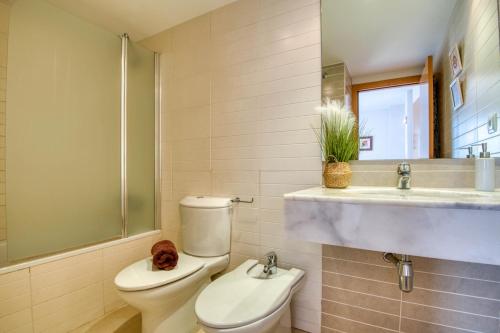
{"points": [[404, 268], [123, 136], [405, 273]]}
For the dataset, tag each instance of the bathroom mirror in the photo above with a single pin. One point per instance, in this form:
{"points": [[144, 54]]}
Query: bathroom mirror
{"points": [[402, 66], [77, 146]]}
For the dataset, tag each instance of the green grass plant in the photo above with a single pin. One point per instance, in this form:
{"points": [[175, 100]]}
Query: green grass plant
{"points": [[338, 133]]}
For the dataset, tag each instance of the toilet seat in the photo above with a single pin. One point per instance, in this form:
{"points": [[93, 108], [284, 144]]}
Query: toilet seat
{"points": [[142, 274], [237, 299]]}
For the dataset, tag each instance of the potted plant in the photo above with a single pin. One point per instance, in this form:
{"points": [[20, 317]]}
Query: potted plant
{"points": [[338, 137]]}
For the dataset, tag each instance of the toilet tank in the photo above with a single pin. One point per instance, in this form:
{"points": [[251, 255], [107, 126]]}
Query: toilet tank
{"points": [[206, 226]]}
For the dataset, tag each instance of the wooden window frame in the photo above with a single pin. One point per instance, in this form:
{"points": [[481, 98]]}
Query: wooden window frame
{"points": [[391, 83]]}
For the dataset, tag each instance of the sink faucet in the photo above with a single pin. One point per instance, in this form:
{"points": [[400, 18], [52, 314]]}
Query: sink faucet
{"points": [[404, 179], [272, 264]]}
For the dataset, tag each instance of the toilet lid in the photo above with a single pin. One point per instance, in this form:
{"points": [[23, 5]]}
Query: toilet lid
{"points": [[143, 275], [237, 299]]}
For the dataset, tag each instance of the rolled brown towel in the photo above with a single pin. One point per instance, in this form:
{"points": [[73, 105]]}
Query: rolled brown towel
{"points": [[164, 255]]}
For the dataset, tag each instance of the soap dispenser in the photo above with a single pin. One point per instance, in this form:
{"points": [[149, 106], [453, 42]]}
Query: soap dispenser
{"points": [[485, 170]]}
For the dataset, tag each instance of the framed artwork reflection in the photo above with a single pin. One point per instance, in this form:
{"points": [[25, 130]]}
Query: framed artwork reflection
{"points": [[365, 143], [455, 61], [457, 98]]}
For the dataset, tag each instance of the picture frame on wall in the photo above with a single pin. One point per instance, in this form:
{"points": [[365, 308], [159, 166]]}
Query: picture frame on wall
{"points": [[457, 98], [366, 143], [455, 61]]}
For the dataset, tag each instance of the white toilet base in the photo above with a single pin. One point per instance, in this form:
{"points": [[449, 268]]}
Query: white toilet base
{"points": [[277, 322], [170, 308], [177, 318]]}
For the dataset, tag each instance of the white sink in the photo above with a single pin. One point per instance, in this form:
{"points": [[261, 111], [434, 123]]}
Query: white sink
{"points": [[454, 224], [421, 197]]}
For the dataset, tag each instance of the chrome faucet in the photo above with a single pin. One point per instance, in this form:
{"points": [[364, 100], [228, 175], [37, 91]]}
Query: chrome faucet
{"points": [[404, 179], [272, 264]]}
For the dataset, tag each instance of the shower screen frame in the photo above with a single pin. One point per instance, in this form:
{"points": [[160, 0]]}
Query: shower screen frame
{"points": [[123, 140]]}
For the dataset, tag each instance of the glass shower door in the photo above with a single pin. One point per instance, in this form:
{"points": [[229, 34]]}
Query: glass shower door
{"points": [[140, 139], [63, 132]]}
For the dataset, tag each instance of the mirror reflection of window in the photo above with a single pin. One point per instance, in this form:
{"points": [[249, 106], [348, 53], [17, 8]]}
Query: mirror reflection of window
{"points": [[397, 122], [450, 45]]}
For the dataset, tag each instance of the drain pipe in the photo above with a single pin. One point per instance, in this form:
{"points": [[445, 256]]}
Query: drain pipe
{"points": [[405, 270]]}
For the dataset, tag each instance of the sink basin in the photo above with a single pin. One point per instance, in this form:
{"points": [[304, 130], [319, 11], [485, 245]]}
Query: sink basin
{"points": [[421, 197], [452, 224]]}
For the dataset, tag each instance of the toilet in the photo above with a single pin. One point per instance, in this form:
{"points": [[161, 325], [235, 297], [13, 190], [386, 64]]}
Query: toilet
{"points": [[246, 300], [166, 299]]}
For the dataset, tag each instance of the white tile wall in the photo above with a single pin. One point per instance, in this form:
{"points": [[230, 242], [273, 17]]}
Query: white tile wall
{"points": [[474, 27], [240, 86]]}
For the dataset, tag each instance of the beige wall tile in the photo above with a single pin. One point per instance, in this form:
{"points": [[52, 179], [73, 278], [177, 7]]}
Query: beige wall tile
{"points": [[62, 277], [118, 257], [444, 178], [69, 311], [112, 300], [234, 16], [17, 322], [114, 260], [15, 293], [4, 27], [4, 17], [3, 48], [263, 83]]}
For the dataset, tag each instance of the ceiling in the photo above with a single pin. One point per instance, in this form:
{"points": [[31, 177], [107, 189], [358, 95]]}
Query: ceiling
{"points": [[138, 18], [379, 36]]}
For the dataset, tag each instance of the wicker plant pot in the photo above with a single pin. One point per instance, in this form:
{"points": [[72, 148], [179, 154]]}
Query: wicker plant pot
{"points": [[337, 175]]}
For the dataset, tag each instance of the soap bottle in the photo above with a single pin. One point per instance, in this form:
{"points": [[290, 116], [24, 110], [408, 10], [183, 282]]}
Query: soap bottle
{"points": [[485, 170]]}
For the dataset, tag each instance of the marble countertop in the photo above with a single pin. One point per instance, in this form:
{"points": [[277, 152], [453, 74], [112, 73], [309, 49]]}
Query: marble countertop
{"points": [[450, 224], [457, 198]]}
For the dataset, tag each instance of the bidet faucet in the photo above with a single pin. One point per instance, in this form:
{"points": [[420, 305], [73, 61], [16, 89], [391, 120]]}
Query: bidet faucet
{"points": [[404, 179], [272, 264]]}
